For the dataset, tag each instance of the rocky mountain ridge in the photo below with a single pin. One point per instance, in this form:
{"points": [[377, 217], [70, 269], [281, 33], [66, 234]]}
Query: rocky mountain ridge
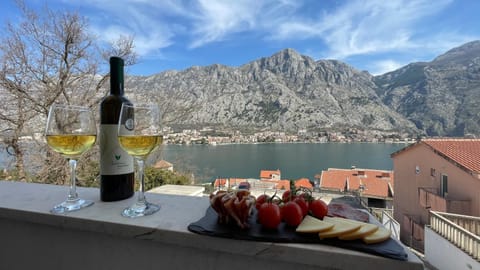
{"points": [[288, 92], [441, 97]]}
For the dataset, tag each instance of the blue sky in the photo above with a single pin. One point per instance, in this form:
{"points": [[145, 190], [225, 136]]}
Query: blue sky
{"points": [[373, 35]]}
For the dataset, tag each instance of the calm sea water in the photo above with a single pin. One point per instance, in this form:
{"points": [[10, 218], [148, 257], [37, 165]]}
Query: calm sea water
{"points": [[295, 160]]}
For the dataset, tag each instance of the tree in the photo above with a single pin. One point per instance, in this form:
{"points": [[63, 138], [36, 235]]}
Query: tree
{"points": [[46, 58], [158, 177]]}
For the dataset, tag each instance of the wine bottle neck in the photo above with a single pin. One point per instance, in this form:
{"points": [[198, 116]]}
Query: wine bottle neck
{"points": [[116, 76]]}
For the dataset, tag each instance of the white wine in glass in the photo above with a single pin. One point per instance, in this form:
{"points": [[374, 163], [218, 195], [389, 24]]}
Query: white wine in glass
{"points": [[70, 131], [139, 133]]}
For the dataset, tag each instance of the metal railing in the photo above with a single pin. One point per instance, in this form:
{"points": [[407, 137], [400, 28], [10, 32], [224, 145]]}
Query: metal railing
{"points": [[447, 225], [389, 222]]}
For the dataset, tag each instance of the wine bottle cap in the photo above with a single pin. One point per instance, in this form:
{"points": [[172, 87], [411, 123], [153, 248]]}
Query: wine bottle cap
{"points": [[116, 61]]}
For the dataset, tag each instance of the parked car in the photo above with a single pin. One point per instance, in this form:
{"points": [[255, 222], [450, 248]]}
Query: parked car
{"points": [[244, 185]]}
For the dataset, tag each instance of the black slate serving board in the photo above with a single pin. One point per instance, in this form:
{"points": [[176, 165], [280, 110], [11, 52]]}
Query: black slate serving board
{"points": [[208, 225]]}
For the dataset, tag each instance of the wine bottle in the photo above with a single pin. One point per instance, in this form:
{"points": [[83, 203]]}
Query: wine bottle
{"points": [[116, 165]]}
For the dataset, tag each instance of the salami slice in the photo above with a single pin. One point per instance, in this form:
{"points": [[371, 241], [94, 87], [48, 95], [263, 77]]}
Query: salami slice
{"points": [[346, 211]]}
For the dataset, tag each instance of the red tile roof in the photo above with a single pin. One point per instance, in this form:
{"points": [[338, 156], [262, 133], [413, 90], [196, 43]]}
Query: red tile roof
{"points": [[283, 184], [464, 152], [265, 174], [375, 183], [303, 182], [162, 164], [222, 182]]}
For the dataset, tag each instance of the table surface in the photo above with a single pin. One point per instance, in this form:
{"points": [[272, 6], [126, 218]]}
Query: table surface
{"points": [[31, 203]]}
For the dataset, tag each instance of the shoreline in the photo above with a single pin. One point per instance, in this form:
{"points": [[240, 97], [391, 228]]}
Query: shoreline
{"points": [[254, 143]]}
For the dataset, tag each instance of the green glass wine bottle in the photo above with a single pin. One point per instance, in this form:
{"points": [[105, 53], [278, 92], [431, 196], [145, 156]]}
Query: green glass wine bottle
{"points": [[116, 166]]}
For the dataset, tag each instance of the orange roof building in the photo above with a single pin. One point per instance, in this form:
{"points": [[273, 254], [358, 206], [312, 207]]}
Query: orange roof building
{"points": [[303, 182], [374, 185], [163, 165], [270, 175], [283, 185], [463, 153], [435, 174]]}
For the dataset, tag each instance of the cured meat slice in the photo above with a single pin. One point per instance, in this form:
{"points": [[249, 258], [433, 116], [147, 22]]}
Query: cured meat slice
{"points": [[346, 211], [233, 207]]}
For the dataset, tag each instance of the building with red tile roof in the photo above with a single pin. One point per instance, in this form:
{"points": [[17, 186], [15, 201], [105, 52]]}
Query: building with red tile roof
{"points": [[283, 184], [270, 175], [303, 182], [436, 174], [163, 165], [228, 182], [220, 183], [373, 186]]}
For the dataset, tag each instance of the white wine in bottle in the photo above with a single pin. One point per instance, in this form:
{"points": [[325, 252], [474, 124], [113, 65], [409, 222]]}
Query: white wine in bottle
{"points": [[116, 165]]}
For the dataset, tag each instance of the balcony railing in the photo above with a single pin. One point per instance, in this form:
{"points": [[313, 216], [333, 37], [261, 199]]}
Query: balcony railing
{"points": [[429, 198], [414, 232], [390, 223], [460, 230]]}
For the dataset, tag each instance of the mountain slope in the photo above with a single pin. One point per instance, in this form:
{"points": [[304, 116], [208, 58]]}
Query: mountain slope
{"points": [[441, 97], [284, 92], [288, 91]]}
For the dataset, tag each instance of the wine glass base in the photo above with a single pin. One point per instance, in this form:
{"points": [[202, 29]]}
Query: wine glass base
{"points": [[140, 210], [70, 205]]}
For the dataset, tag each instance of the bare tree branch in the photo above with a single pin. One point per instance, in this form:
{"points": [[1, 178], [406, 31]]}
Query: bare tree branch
{"points": [[49, 57]]}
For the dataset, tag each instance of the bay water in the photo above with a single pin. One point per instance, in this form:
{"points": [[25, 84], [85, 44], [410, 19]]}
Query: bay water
{"points": [[294, 160]]}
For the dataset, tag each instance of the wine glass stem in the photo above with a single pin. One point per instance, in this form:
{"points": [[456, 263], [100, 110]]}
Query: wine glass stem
{"points": [[72, 195], [141, 180]]}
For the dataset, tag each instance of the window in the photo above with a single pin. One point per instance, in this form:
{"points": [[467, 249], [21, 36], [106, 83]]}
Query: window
{"points": [[432, 171], [444, 185]]}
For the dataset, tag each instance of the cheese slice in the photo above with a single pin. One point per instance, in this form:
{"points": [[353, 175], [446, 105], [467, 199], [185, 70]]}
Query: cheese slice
{"points": [[313, 225], [365, 229], [380, 235], [340, 228]]}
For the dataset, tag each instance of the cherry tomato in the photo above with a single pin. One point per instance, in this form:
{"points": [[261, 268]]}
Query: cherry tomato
{"points": [[287, 196], [318, 208], [303, 205], [261, 199], [292, 214], [269, 215]]}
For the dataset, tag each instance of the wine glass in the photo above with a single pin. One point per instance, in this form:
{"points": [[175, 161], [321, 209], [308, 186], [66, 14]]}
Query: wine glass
{"points": [[139, 134], [71, 131]]}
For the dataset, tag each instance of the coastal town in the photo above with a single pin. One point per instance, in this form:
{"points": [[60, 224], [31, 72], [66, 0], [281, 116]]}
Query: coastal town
{"points": [[372, 188], [208, 135]]}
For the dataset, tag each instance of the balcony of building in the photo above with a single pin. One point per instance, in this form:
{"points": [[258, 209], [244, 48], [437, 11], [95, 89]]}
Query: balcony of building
{"points": [[431, 199], [455, 235], [98, 237]]}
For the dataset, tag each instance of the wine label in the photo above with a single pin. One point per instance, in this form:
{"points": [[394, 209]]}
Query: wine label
{"points": [[113, 159]]}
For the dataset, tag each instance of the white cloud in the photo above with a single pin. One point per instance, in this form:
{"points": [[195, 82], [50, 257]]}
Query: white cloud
{"points": [[217, 19], [384, 66], [353, 28], [363, 27], [159, 24], [144, 20]]}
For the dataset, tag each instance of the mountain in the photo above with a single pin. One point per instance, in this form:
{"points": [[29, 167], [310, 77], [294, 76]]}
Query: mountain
{"points": [[284, 92], [288, 91], [441, 97]]}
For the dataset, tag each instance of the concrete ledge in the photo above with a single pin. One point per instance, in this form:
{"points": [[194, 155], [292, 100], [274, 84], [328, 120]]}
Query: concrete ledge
{"points": [[179, 190], [98, 237]]}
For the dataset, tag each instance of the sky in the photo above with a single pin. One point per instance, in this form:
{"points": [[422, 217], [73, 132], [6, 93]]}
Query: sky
{"points": [[373, 35]]}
